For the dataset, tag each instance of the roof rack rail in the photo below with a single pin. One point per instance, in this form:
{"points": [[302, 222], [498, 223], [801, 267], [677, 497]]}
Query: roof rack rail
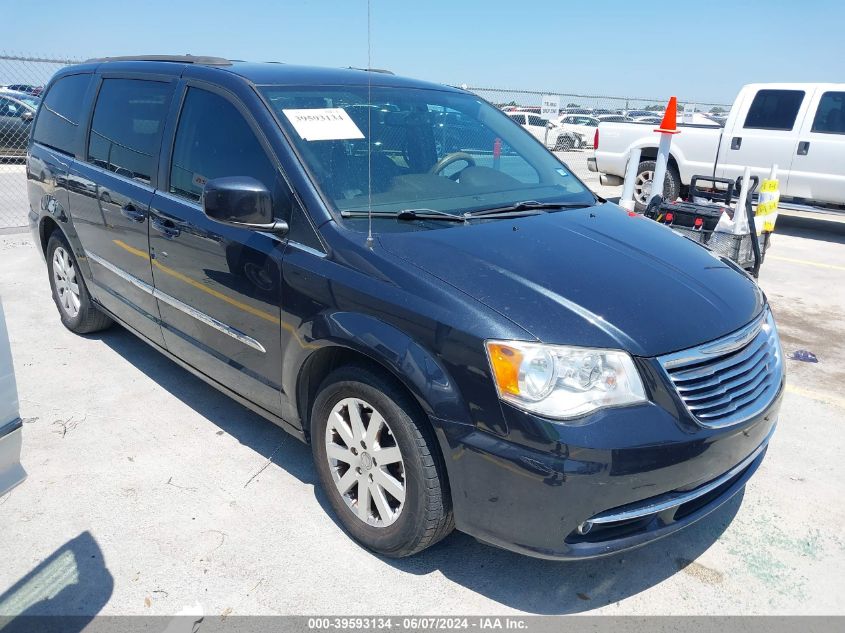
{"points": [[373, 70], [182, 59]]}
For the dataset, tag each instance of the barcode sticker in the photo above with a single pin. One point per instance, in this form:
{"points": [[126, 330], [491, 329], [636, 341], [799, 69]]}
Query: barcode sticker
{"points": [[323, 124]]}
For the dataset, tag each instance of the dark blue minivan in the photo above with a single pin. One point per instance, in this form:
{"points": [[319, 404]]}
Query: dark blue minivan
{"points": [[398, 274]]}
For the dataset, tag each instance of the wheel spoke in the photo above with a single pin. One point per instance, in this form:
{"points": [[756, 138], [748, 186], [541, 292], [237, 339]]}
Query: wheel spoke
{"points": [[74, 302], [338, 424], [347, 481], [354, 410], [393, 487], [385, 456], [376, 422], [363, 498], [338, 452], [380, 500]]}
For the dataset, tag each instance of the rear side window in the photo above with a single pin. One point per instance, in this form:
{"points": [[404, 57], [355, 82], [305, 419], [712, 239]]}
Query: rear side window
{"points": [[126, 128], [830, 116], [536, 120], [60, 113], [774, 109], [214, 140]]}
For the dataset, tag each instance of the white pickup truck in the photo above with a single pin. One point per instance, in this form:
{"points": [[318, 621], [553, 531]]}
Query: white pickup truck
{"points": [[799, 127]]}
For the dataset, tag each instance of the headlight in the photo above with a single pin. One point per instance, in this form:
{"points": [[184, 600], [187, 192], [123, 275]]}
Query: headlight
{"points": [[559, 381]]}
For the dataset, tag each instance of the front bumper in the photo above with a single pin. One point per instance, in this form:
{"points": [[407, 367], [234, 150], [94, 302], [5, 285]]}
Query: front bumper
{"points": [[624, 478]]}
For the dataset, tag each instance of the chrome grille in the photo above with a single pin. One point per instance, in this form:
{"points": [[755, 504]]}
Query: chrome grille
{"points": [[732, 379]]}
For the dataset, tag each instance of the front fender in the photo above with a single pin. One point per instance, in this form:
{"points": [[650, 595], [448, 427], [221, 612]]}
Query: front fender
{"points": [[413, 365]]}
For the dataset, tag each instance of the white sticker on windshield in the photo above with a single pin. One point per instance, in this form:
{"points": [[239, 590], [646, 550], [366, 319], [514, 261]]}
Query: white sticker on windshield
{"points": [[323, 124]]}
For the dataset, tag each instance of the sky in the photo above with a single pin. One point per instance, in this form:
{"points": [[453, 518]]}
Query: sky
{"points": [[700, 51]]}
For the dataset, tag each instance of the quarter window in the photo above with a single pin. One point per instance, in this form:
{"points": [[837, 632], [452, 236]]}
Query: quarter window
{"points": [[126, 129], [830, 116], [59, 117], [774, 109], [214, 140]]}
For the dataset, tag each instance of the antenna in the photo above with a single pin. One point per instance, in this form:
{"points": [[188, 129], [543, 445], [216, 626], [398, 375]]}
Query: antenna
{"points": [[369, 134]]}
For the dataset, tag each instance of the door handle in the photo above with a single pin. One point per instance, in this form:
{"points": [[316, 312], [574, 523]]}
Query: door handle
{"points": [[166, 227], [803, 148], [132, 212], [736, 142]]}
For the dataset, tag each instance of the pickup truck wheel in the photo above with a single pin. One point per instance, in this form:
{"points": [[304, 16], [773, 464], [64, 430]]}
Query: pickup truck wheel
{"points": [[76, 310], [379, 463], [643, 184]]}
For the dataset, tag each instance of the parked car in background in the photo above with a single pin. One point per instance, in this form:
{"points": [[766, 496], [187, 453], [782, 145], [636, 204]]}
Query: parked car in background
{"points": [[534, 123], [30, 100], [16, 115], [612, 118], [27, 88], [579, 110], [581, 124], [11, 425], [554, 136], [798, 126], [467, 339], [636, 115]]}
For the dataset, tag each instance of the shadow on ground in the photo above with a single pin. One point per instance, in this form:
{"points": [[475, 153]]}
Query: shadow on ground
{"points": [[72, 582], [811, 228], [528, 584]]}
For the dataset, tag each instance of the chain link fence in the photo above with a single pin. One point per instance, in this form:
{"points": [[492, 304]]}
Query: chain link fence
{"points": [[593, 105], [21, 80]]}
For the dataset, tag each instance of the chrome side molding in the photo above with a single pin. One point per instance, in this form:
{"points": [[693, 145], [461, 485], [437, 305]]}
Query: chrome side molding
{"points": [[179, 305]]}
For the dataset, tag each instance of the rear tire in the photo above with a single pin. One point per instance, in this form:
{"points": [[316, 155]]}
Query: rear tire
{"points": [[643, 184], [413, 509], [78, 313]]}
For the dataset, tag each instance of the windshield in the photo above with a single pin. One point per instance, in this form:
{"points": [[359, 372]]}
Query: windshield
{"points": [[423, 149]]}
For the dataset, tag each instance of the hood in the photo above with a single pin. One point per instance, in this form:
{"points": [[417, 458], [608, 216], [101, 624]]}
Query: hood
{"points": [[595, 277]]}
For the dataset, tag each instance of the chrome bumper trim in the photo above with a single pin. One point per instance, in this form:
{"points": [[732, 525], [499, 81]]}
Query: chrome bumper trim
{"points": [[673, 500]]}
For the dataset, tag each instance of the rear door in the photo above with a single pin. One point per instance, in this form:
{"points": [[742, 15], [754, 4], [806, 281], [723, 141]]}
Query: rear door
{"points": [[818, 166], [110, 194], [218, 286], [764, 133]]}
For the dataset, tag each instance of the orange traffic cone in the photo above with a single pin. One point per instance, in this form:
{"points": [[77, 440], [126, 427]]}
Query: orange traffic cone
{"points": [[669, 124]]}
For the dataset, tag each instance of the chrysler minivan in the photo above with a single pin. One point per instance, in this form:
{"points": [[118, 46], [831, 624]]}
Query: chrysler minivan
{"points": [[398, 274]]}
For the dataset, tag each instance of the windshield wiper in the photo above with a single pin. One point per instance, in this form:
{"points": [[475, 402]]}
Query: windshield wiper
{"points": [[408, 214], [527, 205]]}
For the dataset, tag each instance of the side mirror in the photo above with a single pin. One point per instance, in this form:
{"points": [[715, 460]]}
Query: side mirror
{"points": [[241, 201], [27, 115]]}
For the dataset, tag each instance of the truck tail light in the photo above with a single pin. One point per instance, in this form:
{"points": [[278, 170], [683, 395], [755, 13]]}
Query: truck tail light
{"points": [[596, 139]]}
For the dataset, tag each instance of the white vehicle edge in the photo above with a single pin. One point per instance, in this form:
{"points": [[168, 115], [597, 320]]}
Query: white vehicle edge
{"points": [[11, 471], [810, 154]]}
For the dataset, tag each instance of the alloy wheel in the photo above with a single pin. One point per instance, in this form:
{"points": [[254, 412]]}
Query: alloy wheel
{"points": [[365, 462], [642, 186], [66, 281]]}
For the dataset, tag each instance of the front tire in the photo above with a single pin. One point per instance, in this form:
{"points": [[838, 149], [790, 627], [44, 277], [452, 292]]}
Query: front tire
{"points": [[76, 310], [379, 464], [643, 184]]}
